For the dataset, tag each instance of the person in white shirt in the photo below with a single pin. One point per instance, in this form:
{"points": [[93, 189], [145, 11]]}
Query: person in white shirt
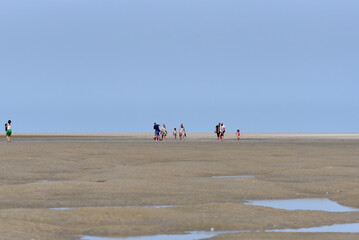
{"points": [[182, 132], [163, 132], [222, 130], [8, 131]]}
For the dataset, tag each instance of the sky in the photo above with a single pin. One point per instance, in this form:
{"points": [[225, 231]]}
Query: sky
{"points": [[121, 65]]}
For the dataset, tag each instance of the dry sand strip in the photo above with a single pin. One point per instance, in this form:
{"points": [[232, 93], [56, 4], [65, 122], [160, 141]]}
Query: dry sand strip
{"points": [[38, 176]]}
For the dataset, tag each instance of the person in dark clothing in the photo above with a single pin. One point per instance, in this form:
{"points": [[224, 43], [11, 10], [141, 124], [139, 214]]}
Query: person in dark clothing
{"points": [[156, 127], [217, 130]]}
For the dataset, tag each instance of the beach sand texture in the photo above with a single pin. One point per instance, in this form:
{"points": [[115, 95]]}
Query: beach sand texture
{"points": [[106, 183]]}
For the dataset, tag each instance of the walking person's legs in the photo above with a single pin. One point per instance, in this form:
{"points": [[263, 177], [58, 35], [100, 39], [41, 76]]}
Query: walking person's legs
{"points": [[8, 135]]}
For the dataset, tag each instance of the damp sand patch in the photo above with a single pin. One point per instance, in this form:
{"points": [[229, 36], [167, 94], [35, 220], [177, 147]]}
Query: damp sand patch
{"points": [[229, 177], [316, 204], [45, 180], [69, 208]]}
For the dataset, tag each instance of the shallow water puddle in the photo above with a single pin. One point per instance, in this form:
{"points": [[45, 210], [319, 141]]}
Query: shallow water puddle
{"points": [[338, 228], [188, 236], [68, 208], [239, 176], [320, 204], [63, 208]]}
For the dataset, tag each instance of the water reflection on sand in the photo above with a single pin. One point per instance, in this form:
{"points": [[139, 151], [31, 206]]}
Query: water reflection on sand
{"points": [[319, 204]]}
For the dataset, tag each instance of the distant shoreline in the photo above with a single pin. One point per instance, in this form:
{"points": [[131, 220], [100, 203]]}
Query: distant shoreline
{"points": [[196, 135]]}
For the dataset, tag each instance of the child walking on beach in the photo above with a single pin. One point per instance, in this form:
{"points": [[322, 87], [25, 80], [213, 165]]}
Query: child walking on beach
{"points": [[175, 133], [238, 134], [8, 131]]}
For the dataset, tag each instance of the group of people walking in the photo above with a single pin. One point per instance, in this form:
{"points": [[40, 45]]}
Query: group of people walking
{"points": [[8, 130], [220, 129], [161, 133]]}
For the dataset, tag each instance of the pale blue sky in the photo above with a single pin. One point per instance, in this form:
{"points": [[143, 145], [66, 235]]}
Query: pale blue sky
{"points": [[119, 66]]}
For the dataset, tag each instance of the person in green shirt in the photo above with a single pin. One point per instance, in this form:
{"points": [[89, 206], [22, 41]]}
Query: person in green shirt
{"points": [[8, 131]]}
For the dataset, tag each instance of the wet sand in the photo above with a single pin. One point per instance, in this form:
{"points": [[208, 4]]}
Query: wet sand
{"points": [[98, 176]]}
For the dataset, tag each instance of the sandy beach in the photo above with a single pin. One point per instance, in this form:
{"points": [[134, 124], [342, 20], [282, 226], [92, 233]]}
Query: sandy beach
{"points": [[64, 186]]}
